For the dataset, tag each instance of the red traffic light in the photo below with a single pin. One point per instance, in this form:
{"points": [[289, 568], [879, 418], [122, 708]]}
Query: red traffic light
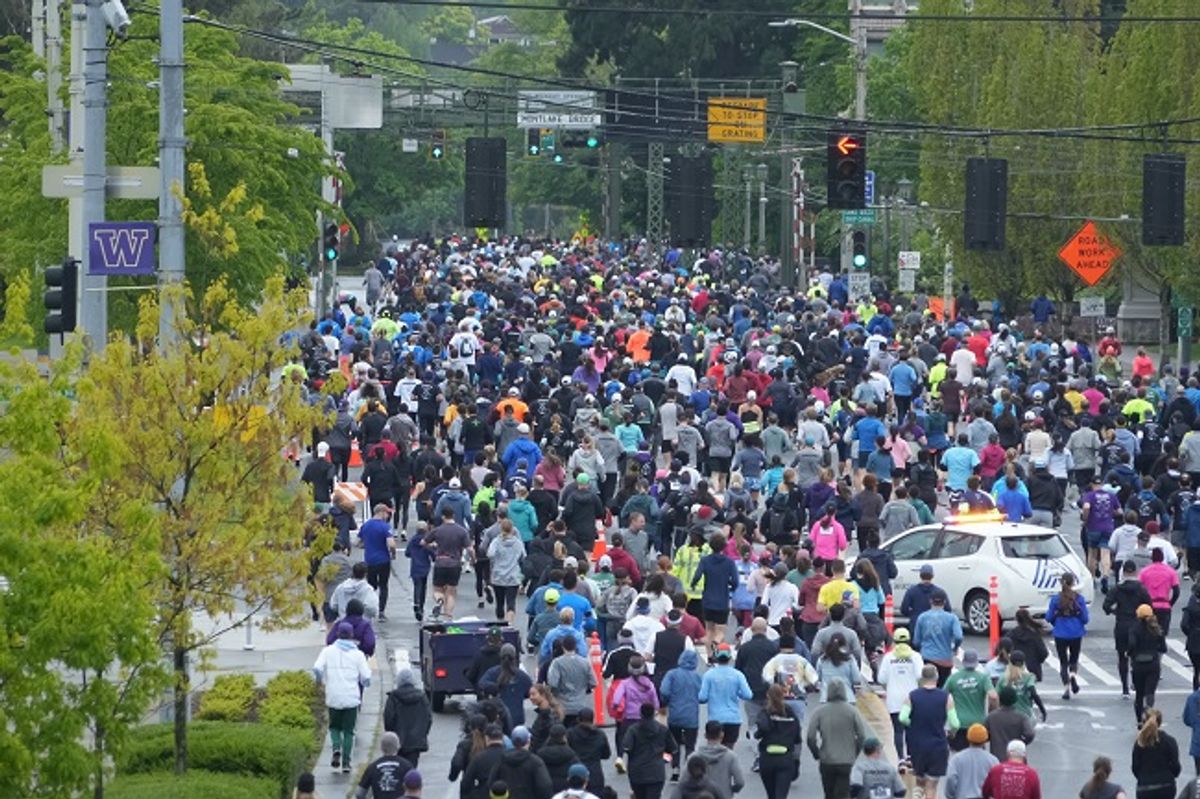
{"points": [[846, 144]]}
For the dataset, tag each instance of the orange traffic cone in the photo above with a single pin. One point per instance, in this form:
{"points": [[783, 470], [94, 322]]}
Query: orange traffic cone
{"points": [[355, 455], [600, 548]]}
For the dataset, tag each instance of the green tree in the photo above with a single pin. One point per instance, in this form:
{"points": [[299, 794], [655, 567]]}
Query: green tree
{"points": [[450, 24], [198, 433]]}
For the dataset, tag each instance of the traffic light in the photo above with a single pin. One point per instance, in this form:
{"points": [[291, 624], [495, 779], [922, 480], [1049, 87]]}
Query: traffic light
{"points": [[333, 242], [985, 210], [437, 150], [579, 139], [1163, 183], [593, 140], [858, 249], [846, 169], [61, 297], [533, 143], [558, 158], [548, 140]]}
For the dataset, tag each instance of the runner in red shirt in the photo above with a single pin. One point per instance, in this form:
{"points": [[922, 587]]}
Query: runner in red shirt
{"points": [[1014, 778]]}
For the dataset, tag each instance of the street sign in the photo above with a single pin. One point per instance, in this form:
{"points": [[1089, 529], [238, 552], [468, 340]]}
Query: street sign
{"points": [[910, 259], [565, 110], [124, 182], [121, 248], [869, 193], [1091, 306], [410, 146], [1185, 322], [1089, 253], [737, 120], [860, 216], [908, 280], [859, 285]]}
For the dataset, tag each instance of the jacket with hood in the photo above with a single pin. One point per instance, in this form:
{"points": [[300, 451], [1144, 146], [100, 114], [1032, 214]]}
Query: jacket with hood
{"points": [[558, 759], [644, 745], [724, 771], [778, 736], [1123, 600], [364, 633], [476, 778], [724, 688], [835, 730], [506, 555], [407, 713], [355, 589], [459, 502], [525, 774], [590, 744], [680, 692], [524, 517], [522, 449], [691, 788], [342, 669]]}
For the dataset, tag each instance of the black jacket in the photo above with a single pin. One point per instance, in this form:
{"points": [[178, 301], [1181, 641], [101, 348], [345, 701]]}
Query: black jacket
{"points": [[558, 758], [591, 746], [668, 646], [644, 745], [1145, 648], [1123, 600], [382, 480], [1157, 764], [485, 658], [885, 567], [476, 780], [777, 731], [1190, 624], [407, 713], [525, 774], [689, 788], [1032, 644], [751, 657], [1044, 493]]}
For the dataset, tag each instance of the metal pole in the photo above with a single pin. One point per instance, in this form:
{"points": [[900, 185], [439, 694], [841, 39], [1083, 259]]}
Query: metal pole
{"points": [[654, 195], [94, 300], [76, 231], [762, 209], [748, 177], [171, 143], [612, 220], [37, 16], [327, 284], [859, 32], [787, 251], [54, 42]]}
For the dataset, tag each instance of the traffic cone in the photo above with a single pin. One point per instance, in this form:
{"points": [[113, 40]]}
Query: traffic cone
{"points": [[597, 660], [355, 455], [600, 548], [994, 615], [889, 616]]}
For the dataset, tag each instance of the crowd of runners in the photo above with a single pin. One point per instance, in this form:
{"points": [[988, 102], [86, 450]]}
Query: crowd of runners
{"points": [[701, 467]]}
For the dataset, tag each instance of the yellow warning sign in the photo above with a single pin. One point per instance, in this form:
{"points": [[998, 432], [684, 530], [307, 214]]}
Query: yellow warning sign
{"points": [[737, 120]]}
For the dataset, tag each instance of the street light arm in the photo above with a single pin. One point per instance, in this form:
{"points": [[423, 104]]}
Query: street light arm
{"points": [[792, 23]]}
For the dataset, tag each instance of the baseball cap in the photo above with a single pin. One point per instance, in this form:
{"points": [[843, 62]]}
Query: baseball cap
{"points": [[570, 562], [551, 596], [522, 428], [495, 634], [926, 570], [520, 735], [643, 604], [674, 618], [455, 482], [724, 653], [412, 779], [901, 634], [582, 478], [605, 562], [1016, 747], [970, 659], [578, 771], [322, 449], [977, 734]]}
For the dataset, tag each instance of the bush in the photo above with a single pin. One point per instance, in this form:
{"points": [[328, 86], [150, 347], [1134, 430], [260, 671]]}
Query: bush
{"points": [[292, 700], [194, 785], [229, 699], [277, 753], [295, 683]]}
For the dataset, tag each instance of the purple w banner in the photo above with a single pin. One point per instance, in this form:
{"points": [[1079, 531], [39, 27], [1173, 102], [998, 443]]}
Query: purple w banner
{"points": [[121, 248]]}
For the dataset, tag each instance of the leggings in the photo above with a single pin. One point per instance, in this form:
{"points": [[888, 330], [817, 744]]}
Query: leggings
{"points": [[777, 772], [506, 599], [1068, 657], [686, 737], [898, 735], [1145, 683], [647, 790], [420, 586], [1195, 658], [836, 781], [377, 578], [483, 575], [400, 514]]}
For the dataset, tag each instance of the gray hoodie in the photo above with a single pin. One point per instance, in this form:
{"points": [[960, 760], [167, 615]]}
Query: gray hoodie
{"points": [[724, 771], [355, 589], [835, 730], [967, 771], [506, 555]]}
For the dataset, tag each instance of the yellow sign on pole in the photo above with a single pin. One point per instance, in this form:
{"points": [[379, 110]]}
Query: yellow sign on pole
{"points": [[737, 120]]}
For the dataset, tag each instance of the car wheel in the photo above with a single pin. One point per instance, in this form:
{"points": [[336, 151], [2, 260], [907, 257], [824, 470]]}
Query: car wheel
{"points": [[977, 612], [437, 700]]}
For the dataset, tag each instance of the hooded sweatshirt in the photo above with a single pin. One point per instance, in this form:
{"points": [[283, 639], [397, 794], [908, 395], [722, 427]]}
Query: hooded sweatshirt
{"points": [[364, 634], [407, 713], [355, 589], [506, 555], [342, 669], [835, 730], [680, 692], [724, 688], [525, 773], [724, 771], [523, 449]]}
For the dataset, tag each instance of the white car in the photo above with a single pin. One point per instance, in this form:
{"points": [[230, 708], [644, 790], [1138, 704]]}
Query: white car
{"points": [[965, 553]]}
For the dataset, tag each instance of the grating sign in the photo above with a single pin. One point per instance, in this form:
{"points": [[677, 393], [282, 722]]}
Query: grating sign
{"points": [[737, 120]]}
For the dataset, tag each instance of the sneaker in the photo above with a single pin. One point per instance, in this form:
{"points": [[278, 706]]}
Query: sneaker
{"points": [[755, 766], [337, 759], [1066, 693], [491, 597], [675, 775], [1125, 695], [382, 616], [619, 765], [1074, 685], [420, 616], [437, 608], [480, 605], [346, 766]]}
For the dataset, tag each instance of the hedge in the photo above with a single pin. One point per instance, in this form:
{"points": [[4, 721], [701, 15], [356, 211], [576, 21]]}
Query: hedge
{"points": [[195, 784], [229, 699], [277, 753], [291, 701]]}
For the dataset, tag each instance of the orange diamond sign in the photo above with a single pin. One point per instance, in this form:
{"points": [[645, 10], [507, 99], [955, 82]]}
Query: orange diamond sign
{"points": [[1089, 253]]}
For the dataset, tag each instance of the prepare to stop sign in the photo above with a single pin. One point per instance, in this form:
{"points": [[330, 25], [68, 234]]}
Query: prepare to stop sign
{"points": [[1089, 253]]}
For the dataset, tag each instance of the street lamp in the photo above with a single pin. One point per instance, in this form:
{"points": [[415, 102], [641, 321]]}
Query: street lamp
{"points": [[858, 41], [763, 173], [748, 179]]}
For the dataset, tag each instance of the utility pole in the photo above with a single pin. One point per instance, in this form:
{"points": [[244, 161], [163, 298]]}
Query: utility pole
{"points": [[171, 143], [859, 33], [748, 179], [763, 173], [612, 216], [37, 17], [54, 42], [789, 77], [655, 166], [94, 298]]}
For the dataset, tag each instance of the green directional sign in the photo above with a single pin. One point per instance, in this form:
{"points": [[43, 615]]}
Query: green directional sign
{"points": [[859, 216], [1185, 322]]}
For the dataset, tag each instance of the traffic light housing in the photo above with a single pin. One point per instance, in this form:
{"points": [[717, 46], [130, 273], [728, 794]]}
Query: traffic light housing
{"points": [[332, 242], [985, 209], [61, 298], [858, 249], [533, 143], [846, 169], [580, 139], [437, 148], [1163, 201]]}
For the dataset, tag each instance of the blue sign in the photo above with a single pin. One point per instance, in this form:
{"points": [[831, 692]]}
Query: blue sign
{"points": [[870, 188], [121, 248]]}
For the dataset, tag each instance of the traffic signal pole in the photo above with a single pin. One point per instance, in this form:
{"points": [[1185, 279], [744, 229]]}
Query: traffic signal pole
{"points": [[171, 143], [93, 301]]}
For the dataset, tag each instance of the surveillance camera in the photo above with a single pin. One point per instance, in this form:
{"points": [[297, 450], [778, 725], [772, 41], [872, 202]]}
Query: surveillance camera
{"points": [[116, 17]]}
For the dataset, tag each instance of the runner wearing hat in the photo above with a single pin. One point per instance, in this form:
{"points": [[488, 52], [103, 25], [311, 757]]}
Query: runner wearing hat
{"points": [[723, 689], [969, 768]]}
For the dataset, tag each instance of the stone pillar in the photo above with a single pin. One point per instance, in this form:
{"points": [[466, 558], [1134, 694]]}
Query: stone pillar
{"points": [[1139, 312]]}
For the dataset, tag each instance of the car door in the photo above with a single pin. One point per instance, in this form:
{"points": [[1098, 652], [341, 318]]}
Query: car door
{"points": [[956, 566], [911, 550]]}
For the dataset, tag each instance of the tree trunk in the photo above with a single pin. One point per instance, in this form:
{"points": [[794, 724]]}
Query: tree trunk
{"points": [[179, 657], [1164, 326], [98, 747]]}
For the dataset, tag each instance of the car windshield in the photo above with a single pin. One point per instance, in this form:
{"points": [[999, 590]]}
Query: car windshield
{"points": [[1050, 545]]}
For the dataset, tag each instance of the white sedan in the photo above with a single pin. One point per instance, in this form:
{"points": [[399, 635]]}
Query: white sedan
{"points": [[966, 553]]}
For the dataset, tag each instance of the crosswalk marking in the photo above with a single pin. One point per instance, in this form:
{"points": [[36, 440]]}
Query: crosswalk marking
{"points": [[1093, 667], [1184, 672], [1055, 667]]}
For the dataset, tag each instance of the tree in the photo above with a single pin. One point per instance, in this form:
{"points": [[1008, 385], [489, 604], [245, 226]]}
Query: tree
{"points": [[79, 658], [196, 431]]}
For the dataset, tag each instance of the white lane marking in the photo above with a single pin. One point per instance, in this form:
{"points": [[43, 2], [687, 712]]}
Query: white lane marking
{"points": [[1094, 668]]}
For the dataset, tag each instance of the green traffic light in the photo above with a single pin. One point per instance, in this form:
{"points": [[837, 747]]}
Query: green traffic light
{"points": [[437, 152], [860, 261], [534, 149], [558, 159], [592, 141], [331, 254]]}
